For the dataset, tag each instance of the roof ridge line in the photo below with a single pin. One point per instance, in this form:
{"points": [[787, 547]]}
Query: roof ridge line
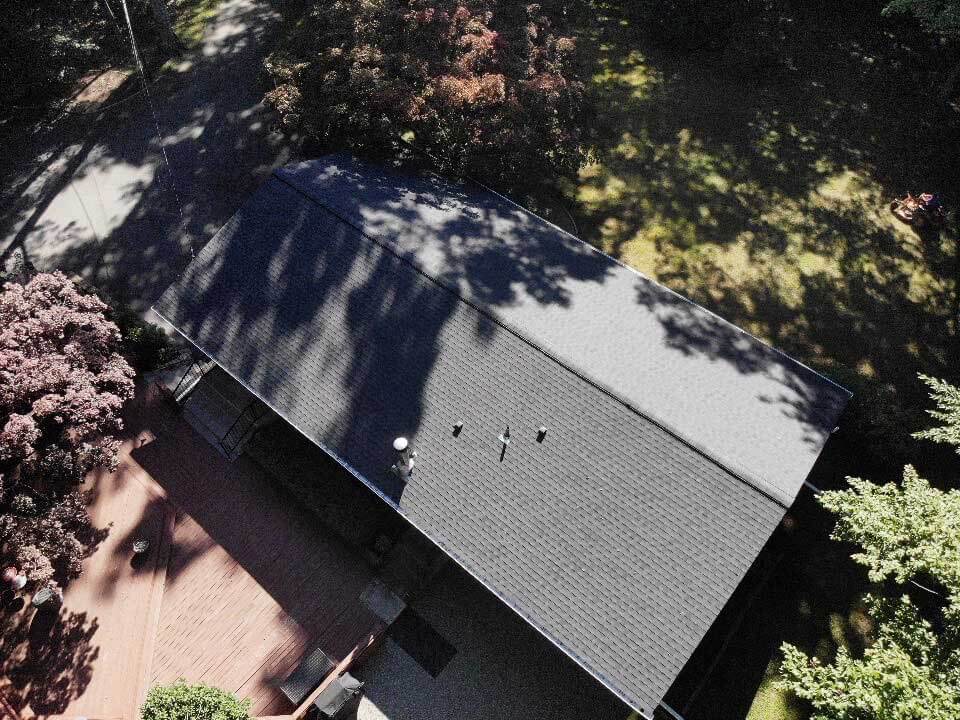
{"points": [[769, 346], [754, 483], [597, 674]]}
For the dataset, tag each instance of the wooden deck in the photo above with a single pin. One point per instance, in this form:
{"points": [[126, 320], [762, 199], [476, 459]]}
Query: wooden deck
{"points": [[250, 583], [70, 667]]}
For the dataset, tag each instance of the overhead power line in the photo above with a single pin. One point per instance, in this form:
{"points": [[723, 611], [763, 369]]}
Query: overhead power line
{"points": [[153, 112]]}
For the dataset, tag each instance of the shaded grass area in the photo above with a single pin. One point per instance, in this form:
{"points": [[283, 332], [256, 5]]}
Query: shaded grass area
{"points": [[752, 173], [191, 17]]}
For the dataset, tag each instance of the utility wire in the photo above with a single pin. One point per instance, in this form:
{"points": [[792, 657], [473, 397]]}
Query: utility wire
{"points": [[153, 113]]}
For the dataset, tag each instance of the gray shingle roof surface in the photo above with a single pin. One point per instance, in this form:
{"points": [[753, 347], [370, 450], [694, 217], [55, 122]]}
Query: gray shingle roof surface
{"points": [[620, 537], [750, 407]]}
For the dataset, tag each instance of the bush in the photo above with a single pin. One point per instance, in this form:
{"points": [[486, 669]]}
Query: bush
{"points": [[63, 384], [145, 345], [181, 701], [48, 541], [63, 381]]}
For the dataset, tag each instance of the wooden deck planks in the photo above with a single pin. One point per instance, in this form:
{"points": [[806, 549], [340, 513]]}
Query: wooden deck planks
{"points": [[117, 601], [240, 583], [253, 583]]}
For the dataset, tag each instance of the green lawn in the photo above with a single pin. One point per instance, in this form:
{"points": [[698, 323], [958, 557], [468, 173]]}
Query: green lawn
{"points": [[191, 17], [752, 173], [753, 176]]}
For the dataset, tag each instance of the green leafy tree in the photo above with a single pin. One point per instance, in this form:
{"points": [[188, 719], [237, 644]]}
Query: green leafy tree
{"points": [[941, 17], [909, 672], [47, 45], [909, 536], [938, 17], [182, 701], [493, 89], [947, 399], [906, 532]]}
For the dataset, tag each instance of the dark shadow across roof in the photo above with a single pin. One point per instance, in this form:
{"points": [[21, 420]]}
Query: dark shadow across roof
{"points": [[363, 305]]}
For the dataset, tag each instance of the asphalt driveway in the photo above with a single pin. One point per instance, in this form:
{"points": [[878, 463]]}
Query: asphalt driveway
{"points": [[94, 195]]}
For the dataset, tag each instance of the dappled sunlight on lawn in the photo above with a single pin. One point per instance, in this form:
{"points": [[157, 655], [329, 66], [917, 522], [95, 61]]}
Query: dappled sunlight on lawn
{"points": [[770, 702], [753, 175], [742, 198]]}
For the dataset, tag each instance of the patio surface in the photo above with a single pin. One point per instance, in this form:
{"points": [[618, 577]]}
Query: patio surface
{"points": [[502, 668], [239, 584]]}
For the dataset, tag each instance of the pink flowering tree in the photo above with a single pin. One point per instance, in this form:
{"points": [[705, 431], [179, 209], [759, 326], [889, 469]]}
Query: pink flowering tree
{"points": [[486, 87], [63, 383]]}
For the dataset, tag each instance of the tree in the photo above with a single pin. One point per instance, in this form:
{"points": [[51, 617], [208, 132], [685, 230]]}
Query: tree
{"points": [[487, 88], [938, 17], [181, 701], [907, 531], [910, 670], [908, 673], [947, 399], [941, 17], [909, 537], [165, 34], [47, 45], [63, 383]]}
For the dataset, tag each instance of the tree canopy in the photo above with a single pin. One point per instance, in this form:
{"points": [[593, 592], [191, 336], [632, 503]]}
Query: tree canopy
{"points": [[46, 46], [63, 383], [484, 87], [909, 672], [947, 399], [906, 532], [936, 16]]}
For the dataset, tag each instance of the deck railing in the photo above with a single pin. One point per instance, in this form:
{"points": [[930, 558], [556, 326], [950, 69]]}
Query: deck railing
{"points": [[352, 658], [191, 377], [245, 421]]}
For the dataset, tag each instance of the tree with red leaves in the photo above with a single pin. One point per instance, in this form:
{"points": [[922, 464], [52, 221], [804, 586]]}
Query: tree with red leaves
{"points": [[63, 383], [486, 87]]}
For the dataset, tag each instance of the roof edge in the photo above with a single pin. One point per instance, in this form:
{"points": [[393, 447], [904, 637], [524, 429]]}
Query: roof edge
{"points": [[768, 490], [393, 505]]}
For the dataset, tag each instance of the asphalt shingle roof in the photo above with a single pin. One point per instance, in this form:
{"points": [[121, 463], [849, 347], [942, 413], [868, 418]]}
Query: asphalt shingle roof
{"points": [[363, 305]]}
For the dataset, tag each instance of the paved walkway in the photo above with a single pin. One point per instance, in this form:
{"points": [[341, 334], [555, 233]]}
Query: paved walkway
{"points": [[95, 197], [238, 586]]}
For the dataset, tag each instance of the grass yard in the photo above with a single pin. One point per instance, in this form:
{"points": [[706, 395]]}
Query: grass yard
{"points": [[191, 17], [753, 175]]}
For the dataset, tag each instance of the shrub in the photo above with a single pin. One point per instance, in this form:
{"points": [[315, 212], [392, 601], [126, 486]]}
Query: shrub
{"points": [[62, 533], [145, 345], [23, 505], [181, 701], [35, 565], [62, 379]]}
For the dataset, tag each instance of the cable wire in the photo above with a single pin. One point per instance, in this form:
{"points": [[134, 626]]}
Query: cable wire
{"points": [[153, 113]]}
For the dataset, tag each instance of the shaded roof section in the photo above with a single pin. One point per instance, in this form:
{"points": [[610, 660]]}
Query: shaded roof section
{"points": [[750, 407], [363, 305]]}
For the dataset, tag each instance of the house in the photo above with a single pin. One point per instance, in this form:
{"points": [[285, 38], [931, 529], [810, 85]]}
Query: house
{"points": [[604, 456]]}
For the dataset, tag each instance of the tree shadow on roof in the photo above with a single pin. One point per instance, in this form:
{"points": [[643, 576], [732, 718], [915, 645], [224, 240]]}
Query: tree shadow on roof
{"points": [[364, 308]]}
